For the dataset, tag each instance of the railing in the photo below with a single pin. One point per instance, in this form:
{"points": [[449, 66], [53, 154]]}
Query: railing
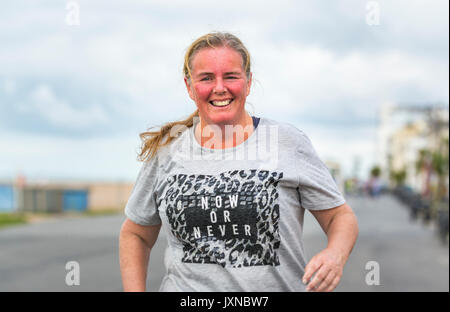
{"points": [[426, 209]]}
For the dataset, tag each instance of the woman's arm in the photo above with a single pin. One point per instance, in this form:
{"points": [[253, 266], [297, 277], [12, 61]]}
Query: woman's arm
{"points": [[135, 244], [341, 227]]}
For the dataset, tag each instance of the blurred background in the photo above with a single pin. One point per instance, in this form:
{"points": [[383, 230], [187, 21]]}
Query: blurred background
{"points": [[367, 81]]}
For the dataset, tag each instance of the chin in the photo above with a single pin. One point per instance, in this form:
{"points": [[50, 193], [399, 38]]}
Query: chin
{"points": [[226, 119]]}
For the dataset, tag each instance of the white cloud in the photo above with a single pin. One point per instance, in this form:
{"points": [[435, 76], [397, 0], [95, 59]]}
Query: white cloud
{"points": [[9, 86], [44, 102], [297, 78], [309, 59]]}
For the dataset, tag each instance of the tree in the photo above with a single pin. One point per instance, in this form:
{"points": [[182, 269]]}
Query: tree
{"points": [[398, 177], [423, 165], [439, 164], [375, 172]]}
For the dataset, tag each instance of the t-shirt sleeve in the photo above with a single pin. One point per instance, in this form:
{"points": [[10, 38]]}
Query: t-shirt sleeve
{"points": [[317, 188], [141, 207]]}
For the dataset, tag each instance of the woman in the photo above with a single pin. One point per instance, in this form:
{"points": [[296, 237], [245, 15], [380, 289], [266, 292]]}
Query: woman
{"points": [[233, 217]]}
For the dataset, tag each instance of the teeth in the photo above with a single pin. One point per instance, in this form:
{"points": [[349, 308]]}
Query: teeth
{"points": [[221, 103]]}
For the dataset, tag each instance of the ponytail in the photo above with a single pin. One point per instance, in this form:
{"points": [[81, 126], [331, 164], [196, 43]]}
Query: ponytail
{"points": [[153, 140]]}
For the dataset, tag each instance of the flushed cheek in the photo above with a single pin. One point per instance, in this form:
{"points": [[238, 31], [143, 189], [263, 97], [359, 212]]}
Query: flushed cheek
{"points": [[238, 90], [203, 92]]}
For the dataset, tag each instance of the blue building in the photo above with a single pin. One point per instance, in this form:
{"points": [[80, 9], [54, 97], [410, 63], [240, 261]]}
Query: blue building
{"points": [[7, 198]]}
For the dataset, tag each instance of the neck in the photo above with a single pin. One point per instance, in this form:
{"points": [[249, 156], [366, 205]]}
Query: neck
{"points": [[220, 136]]}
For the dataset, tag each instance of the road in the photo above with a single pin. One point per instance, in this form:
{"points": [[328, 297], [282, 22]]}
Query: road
{"points": [[33, 257], [409, 254]]}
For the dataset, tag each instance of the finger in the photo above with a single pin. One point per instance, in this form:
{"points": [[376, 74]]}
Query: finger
{"points": [[318, 278], [310, 269], [334, 283], [326, 282]]}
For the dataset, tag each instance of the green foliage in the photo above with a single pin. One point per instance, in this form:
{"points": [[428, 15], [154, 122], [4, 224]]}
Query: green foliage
{"points": [[375, 172], [440, 163], [422, 160], [8, 219], [398, 177]]}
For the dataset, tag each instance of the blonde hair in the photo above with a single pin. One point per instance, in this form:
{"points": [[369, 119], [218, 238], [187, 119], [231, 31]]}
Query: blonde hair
{"points": [[153, 140]]}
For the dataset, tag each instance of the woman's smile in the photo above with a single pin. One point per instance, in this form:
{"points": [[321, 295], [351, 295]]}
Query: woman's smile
{"points": [[221, 103]]}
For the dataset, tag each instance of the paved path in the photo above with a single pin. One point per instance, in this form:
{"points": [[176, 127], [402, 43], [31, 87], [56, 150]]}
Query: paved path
{"points": [[33, 257], [409, 254]]}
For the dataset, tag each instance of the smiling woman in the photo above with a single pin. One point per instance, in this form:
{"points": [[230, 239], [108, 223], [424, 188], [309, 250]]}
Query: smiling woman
{"points": [[232, 224], [218, 81]]}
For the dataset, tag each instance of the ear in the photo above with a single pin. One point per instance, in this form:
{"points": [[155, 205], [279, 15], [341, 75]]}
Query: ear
{"points": [[249, 84], [189, 89]]}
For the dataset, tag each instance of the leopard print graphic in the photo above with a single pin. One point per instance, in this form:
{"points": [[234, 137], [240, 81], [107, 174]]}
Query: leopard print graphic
{"points": [[230, 219]]}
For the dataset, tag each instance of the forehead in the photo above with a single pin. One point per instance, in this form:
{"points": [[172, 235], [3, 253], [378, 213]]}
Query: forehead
{"points": [[217, 59]]}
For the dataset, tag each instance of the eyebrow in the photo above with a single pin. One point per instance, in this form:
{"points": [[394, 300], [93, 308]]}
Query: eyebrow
{"points": [[227, 73]]}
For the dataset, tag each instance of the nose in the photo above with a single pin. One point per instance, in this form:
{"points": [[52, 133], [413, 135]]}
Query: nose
{"points": [[219, 87]]}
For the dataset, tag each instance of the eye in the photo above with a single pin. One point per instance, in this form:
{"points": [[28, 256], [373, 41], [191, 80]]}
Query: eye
{"points": [[205, 79], [231, 77]]}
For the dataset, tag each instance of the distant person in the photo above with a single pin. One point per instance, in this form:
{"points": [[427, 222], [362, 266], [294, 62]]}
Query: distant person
{"points": [[374, 187], [233, 221]]}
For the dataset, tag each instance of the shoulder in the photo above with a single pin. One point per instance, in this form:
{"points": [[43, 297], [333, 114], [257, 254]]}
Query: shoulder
{"points": [[287, 133]]}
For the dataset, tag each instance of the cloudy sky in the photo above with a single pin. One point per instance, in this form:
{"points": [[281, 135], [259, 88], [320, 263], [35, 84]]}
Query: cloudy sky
{"points": [[79, 80]]}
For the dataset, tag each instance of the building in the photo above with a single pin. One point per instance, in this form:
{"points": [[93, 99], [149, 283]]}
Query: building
{"points": [[7, 198], [406, 130], [55, 197], [404, 148], [108, 195]]}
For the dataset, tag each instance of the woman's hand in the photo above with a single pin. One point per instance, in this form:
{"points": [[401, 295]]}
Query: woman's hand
{"points": [[328, 266], [341, 227]]}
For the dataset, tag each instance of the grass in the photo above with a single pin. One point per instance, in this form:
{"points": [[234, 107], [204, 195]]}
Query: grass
{"points": [[102, 212], [16, 218], [9, 219]]}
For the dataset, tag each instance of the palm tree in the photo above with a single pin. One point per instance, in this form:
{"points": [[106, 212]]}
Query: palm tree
{"points": [[423, 165], [440, 166], [398, 177]]}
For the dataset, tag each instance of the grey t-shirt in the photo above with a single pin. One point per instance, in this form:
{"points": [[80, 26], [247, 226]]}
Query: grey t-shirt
{"points": [[233, 217]]}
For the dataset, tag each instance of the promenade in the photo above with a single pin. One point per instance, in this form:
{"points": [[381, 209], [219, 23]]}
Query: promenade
{"points": [[409, 255]]}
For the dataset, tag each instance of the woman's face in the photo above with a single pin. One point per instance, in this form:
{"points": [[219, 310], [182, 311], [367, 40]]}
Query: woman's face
{"points": [[219, 85]]}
